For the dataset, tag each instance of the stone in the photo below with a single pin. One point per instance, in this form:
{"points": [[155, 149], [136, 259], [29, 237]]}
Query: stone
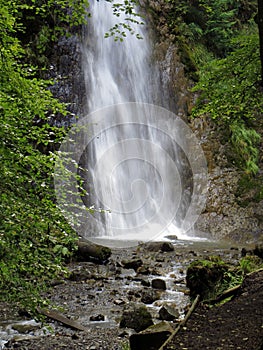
{"points": [[144, 270], [134, 263], [151, 338], [145, 283], [97, 318], [168, 313], [149, 296], [158, 283], [88, 251], [136, 317], [158, 246], [203, 277]]}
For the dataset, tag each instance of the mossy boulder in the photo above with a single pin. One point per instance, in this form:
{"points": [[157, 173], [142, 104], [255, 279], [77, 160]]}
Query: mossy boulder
{"points": [[136, 317], [205, 277]]}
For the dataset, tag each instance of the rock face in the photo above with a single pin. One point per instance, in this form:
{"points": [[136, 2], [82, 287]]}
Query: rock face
{"points": [[136, 317], [65, 70], [229, 213]]}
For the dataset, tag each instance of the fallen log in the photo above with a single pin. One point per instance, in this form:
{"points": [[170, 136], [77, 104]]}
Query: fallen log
{"points": [[90, 251], [226, 294], [54, 315], [181, 324]]}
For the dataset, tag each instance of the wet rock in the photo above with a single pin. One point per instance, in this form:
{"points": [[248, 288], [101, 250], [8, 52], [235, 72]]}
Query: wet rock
{"points": [[26, 326], [158, 283], [151, 338], [136, 317], [144, 270], [158, 246], [88, 251], [134, 263], [81, 273], [145, 283], [97, 318], [149, 296], [119, 302], [168, 313]]}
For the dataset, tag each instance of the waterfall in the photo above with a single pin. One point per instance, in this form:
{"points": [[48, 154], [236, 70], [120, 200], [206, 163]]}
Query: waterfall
{"points": [[137, 171]]}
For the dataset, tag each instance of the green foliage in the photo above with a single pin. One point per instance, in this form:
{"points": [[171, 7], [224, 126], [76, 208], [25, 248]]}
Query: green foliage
{"points": [[40, 23], [212, 23], [249, 264], [126, 10], [125, 346], [34, 237], [231, 95]]}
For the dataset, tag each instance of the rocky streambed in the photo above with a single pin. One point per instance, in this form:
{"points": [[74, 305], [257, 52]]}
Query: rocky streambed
{"points": [[150, 277]]}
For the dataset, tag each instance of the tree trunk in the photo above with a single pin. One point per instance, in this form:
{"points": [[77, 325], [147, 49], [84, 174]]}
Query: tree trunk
{"points": [[260, 29]]}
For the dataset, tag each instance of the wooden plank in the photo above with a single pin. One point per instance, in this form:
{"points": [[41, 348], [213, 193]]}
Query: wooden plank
{"points": [[63, 319]]}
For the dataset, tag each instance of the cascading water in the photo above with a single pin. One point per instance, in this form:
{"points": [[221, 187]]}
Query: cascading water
{"points": [[135, 168]]}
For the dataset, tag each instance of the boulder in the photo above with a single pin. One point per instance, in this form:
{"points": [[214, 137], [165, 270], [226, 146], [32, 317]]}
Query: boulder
{"points": [[136, 317], [133, 263], [152, 338], [168, 313], [203, 277], [158, 283], [149, 296], [158, 246], [88, 251]]}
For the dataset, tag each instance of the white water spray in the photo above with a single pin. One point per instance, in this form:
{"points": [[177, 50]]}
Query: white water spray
{"points": [[136, 153]]}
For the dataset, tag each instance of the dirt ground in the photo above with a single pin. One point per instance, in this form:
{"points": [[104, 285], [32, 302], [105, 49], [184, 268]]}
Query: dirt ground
{"points": [[238, 324]]}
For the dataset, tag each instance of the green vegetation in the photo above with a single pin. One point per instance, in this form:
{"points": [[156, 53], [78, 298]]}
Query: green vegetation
{"points": [[212, 276], [34, 237], [219, 41], [230, 94]]}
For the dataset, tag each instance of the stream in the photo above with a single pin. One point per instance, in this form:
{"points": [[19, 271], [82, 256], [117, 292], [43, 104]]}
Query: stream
{"points": [[96, 295]]}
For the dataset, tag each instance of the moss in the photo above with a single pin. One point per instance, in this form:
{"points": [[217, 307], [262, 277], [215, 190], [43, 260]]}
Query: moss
{"points": [[249, 188], [205, 277], [188, 60]]}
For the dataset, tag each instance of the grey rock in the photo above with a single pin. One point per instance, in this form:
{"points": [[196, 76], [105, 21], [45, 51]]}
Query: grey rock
{"points": [[168, 313], [136, 317], [97, 318], [149, 296], [151, 338], [158, 283]]}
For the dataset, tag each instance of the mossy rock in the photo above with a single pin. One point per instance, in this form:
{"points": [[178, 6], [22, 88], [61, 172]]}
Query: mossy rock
{"points": [[204, 277], [136, 317]]}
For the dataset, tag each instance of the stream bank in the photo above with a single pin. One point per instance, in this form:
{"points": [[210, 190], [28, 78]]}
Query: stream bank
{"points": [[96, 296]]}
